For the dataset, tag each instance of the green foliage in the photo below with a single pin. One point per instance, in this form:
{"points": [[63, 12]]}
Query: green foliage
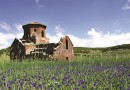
{"points": [[5, 51], [92, 69], [119, 49], [84, 50], [124, 46], [103, 72]]}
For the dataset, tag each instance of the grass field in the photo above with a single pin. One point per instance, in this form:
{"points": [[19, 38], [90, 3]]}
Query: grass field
{"points": [[102, 72], [92, 69]]}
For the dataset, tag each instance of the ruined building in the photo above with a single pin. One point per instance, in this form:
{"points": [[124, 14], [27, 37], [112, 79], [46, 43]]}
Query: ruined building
{"points": [[35, 44]]}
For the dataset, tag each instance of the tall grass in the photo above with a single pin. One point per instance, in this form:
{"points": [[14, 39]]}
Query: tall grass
{"points": [[104, 72]]}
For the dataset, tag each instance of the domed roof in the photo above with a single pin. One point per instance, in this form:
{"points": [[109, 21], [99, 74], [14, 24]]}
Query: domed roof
{"points": [[34, 24]]}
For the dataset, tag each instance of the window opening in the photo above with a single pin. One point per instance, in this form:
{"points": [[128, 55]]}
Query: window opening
{"points": [[42, 33], [66, 44]]}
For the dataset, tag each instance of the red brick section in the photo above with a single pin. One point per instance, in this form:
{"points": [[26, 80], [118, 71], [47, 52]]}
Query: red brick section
{"points": [[62, 52], [29, 48], [35, 43], [36, 33]]}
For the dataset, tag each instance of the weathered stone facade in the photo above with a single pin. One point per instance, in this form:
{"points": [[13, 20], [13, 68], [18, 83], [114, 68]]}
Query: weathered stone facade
{"points": [[35, 44]]}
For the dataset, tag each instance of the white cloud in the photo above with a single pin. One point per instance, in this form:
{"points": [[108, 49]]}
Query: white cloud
{"points": [[5, 26], [118, 31], [6, 37], [95, 39], [59, 33], [38, 3], [4, 40], [99, 39], [128, 0], [19, 35], [18, 27], [94, 34], [126, 7], [59, 29], [78, 42], [53, 38]]}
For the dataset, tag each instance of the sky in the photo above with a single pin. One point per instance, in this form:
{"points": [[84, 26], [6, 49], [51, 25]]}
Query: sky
{"points": [[88, 23]]}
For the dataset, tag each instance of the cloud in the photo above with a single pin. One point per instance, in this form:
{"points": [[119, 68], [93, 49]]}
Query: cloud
{"points": [[5, 26], [93, 33], [128, 0], [99, 39], [18, 27], [7, 38], [59, 29], [4, 40], [95, 38], [78, 42], [127, 6], [59, 33], [38, 3], [54, 38]]}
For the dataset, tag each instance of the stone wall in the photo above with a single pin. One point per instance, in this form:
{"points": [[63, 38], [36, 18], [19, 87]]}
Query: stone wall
{"points": [[62, 52]]}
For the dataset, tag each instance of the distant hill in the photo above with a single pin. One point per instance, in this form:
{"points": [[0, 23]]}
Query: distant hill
{"points": [[119, 49], [5, 51], [123, 46], [86, 50]]}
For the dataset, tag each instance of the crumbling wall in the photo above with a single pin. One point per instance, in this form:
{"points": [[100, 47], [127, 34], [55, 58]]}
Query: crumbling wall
{"points": [[17, 50], [35, 43], [29, 49], [63, 51]]}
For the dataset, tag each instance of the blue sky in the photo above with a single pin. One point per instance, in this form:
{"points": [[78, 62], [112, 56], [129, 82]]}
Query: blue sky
{"points": [[89, 23]]}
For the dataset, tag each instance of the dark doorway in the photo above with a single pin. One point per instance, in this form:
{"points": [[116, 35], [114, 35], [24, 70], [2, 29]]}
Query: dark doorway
{"points": [[67, 58]]}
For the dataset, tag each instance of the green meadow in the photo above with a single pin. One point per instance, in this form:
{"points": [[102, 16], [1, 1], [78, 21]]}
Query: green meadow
{"points": [[92, 69]]}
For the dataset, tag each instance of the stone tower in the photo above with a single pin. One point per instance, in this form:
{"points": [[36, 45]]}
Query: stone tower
{"points": [[36, 33]]}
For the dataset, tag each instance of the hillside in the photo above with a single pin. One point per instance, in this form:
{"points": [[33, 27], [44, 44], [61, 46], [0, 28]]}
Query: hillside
{"points": [[123, 46], [5, 51], [119, 49], [85, 50]]}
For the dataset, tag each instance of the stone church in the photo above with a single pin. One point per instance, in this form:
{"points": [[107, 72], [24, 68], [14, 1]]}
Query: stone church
{"points": [[35, 44]]}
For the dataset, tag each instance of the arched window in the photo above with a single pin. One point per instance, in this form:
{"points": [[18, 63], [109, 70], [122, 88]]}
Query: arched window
{"points": [[34, 30], [42, 33], [66, 44]]}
